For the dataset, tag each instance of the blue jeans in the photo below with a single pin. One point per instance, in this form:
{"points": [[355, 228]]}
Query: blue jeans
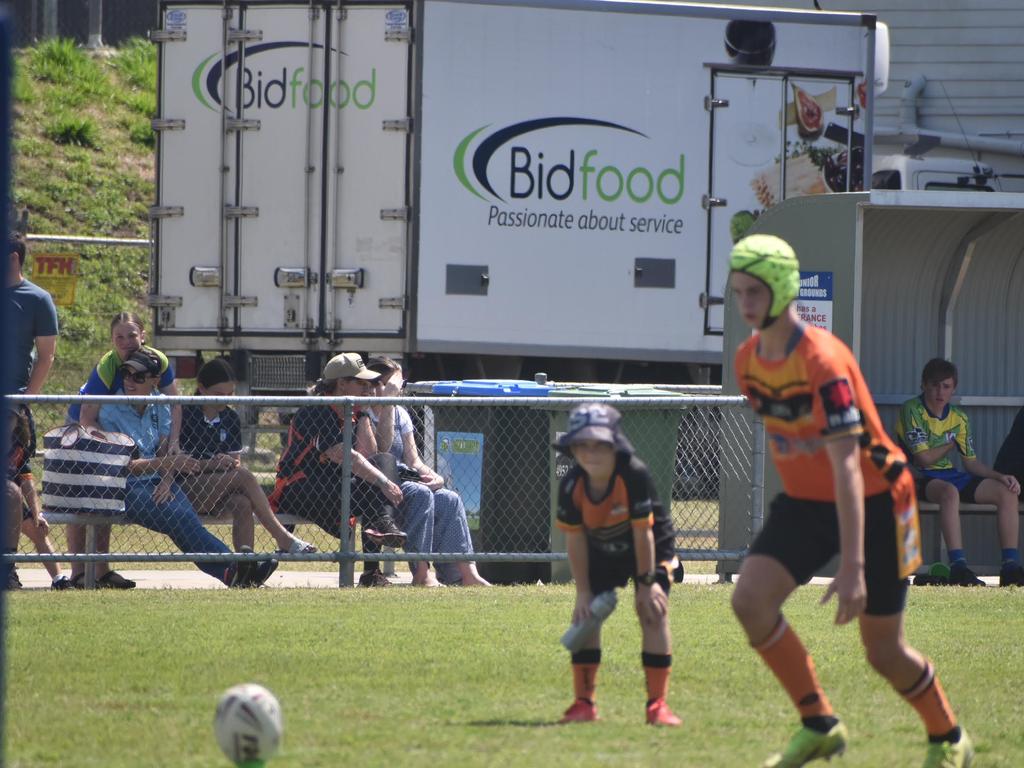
{"points": [[175, 518], [435, 521]]}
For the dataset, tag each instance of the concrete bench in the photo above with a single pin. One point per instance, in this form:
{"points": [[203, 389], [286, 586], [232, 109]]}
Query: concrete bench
{"points": [[930, 508]]}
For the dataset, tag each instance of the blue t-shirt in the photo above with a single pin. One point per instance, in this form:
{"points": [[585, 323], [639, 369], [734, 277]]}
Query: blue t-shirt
{"points": [[147, 429], [204, 439], [33, 314], [106, 378]]}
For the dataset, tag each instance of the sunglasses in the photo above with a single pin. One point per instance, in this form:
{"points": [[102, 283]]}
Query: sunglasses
{"points": [[139, 377]]}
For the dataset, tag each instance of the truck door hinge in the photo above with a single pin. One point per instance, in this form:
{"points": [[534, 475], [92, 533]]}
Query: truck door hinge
{"points": [[167, 35], [156, 300], [848, 111], [240, 301], [392, 302], [166, 211], [712, 103], [394, 214], [241, 124], [167, 124], [706, 202], [398, 35], [241, 211], [403, 124], [244, 35]]}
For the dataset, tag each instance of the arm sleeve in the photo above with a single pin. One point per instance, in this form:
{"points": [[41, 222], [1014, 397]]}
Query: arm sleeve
{"points": [[640, 489], [164, 423], [46, 316], [95, 385], [964, 438], [569, 517], [834, 404]]}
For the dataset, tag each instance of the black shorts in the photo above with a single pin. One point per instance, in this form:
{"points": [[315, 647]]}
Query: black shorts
{"points": [[966, 493], [804, 535], [609, 572]]}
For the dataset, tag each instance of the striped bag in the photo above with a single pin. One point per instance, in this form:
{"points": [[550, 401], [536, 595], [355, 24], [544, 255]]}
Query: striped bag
{"points": [[85, 470]]}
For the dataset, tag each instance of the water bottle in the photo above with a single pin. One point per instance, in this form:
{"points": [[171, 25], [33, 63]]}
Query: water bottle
{"points": [[601, 607]]}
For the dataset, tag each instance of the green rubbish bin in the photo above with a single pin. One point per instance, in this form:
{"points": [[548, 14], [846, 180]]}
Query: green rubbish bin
{"points": [[497, 459], [653, 431]]}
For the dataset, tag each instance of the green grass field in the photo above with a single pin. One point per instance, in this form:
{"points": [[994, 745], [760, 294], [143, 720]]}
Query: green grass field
{"points": [[405, 677]]}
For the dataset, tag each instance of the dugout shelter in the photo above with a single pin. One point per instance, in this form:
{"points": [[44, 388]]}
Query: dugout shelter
{"points": [[901, 277]]}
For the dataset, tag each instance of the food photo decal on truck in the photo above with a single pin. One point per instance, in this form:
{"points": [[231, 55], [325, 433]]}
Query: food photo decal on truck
{"points": [[531, 177]]}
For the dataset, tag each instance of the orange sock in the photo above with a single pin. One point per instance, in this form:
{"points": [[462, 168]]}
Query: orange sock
{"points": [[928, 698], [786, 656], [584, 673], [657, 668]]}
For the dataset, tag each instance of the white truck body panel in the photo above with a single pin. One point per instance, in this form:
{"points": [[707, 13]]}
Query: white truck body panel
{"points": [[563, 156]]}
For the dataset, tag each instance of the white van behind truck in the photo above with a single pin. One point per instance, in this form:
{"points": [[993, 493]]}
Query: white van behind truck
{"points": [[903, 172]]}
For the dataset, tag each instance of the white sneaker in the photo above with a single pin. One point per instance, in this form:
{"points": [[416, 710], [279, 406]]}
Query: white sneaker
{"points": [[300, 547]]}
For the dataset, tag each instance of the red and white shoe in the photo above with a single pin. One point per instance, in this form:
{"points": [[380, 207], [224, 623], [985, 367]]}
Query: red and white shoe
{"points": [[581, 711], [658, 713]]}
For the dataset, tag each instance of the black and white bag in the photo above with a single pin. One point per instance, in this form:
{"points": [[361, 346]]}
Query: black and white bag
{"points": [[85, 470]]}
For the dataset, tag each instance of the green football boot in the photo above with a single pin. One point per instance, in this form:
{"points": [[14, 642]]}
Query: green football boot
{"points": [[946, 755], [808, 744]]}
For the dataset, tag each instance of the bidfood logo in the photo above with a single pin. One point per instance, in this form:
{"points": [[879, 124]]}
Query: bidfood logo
{"points": [[270, 79], [560, 160]]}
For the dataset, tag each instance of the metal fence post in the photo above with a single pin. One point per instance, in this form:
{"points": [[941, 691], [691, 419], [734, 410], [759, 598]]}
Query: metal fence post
{"points": [[346, 537], [49, 19], [757, 478], [95, 39]]}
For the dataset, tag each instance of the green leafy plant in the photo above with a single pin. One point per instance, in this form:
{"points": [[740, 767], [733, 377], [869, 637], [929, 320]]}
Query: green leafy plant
{"points": [[73, 129]]}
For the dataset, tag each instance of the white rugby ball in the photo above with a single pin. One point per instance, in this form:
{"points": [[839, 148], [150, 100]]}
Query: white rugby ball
{"points": [[248, 724]]}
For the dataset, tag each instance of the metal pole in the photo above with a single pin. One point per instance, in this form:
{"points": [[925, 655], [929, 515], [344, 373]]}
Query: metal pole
{"points": [[49, 19], [95, 25]]}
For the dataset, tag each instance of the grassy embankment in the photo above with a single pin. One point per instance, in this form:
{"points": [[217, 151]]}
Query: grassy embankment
{"points": [[83, 165]]}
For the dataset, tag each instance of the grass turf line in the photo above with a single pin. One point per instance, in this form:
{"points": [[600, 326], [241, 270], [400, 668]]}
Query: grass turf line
{"points": [[469, 677]]}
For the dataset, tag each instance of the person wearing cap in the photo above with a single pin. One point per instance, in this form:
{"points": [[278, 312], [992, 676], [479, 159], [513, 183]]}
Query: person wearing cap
{"points": [[212, 434], [309, 473], [24, 513], [616, 529], [153, 499], [127, 334], [847, 491], [433, 516]]}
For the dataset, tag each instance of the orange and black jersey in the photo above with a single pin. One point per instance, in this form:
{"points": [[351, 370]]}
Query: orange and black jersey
{"points": [[608, 522], [313, 430], [815, 394]]}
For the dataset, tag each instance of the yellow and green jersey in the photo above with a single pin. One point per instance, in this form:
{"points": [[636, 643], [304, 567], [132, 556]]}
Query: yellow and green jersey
{"points": [[920, 430]]}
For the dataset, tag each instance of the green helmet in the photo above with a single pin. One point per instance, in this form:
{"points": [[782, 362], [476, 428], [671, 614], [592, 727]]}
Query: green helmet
{"points": [[772, 261]]}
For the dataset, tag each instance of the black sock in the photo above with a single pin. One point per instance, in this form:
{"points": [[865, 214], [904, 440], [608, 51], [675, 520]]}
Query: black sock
{"points": [[820, 723], [952, 737]]}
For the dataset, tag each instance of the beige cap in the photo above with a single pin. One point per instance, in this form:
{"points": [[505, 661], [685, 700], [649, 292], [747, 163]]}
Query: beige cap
{"points": [[348, 365]]}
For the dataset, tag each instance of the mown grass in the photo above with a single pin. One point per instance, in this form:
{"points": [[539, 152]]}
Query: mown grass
{"points": [[83, 165], [405, 677]]}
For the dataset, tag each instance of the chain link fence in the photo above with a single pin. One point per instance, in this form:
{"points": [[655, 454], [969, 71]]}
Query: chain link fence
{"points": [[478, 479]]}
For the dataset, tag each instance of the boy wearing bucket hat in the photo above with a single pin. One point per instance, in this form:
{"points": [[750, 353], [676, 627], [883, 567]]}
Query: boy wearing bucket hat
{"points": [[615, 530], [846, 491]]}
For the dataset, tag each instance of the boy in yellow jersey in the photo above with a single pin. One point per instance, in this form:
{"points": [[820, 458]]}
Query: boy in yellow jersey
{"points": [[616, 529], [933, 430], [846, 491]]}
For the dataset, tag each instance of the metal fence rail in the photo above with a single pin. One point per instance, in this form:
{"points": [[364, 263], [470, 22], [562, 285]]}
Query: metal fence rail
{"points": [[494, 454]]}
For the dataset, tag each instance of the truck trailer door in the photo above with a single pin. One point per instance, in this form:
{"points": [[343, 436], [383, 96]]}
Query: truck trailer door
{"points": [[366, 238], [774, 135]]}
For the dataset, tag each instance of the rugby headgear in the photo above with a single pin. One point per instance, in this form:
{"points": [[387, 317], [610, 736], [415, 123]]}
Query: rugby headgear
{"points": [[772, 261]]}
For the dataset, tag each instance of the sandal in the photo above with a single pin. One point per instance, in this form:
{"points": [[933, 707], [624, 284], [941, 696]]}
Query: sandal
{"points": [[114, 580]]}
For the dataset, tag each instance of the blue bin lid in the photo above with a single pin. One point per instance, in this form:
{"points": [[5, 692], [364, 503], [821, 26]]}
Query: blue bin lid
{"points": [[491, 388]]}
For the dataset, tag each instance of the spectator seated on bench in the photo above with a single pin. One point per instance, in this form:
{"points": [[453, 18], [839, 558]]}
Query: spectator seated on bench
{"points": [[212, 434], [152, 498], [309, 473], [933, 430], [1010, 459]]}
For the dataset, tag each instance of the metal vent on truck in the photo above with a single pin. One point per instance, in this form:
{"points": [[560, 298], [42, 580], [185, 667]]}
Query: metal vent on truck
{"points": [[278, 373]]}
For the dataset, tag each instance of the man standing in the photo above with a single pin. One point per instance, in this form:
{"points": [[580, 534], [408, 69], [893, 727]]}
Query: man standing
{"points": [[34, 324]]}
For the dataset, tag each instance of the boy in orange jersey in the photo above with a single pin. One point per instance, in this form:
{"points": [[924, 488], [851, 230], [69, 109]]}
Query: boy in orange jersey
{"points": [[616, 529], [846, 491]]}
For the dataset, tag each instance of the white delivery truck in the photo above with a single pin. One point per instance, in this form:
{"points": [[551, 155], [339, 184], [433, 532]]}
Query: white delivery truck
{"points": [[472, 184]]}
